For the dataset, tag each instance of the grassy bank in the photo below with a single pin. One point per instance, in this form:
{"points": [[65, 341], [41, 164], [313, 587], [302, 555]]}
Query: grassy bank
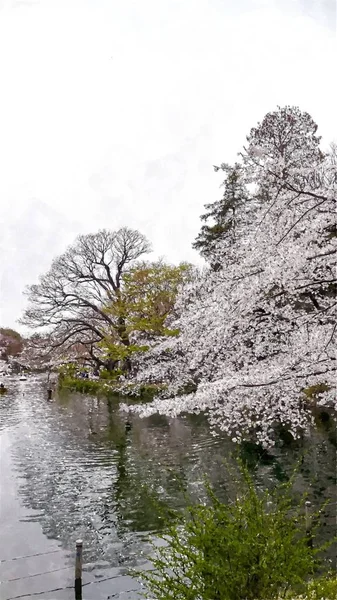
{"points": [[103, 387]]}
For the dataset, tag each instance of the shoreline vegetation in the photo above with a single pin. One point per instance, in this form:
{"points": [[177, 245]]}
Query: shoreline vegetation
{"points": [[147, 392], [125, 390], [257, 545]]}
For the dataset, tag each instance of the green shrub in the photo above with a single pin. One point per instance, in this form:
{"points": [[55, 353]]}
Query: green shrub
{"points": [[254, 547], [110, 375], [68, 370], [313, 392], [323, 588], [84, 386], [143, 392], [147, 391]]}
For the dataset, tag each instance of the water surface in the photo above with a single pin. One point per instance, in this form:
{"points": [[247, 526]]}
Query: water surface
{"points": [[77, 468]]}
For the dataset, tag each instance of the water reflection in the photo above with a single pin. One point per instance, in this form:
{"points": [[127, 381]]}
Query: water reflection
{"points": [[91, 473]]}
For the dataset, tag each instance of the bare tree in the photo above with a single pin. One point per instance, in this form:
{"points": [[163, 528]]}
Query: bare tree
{"points": [[71, 301]]}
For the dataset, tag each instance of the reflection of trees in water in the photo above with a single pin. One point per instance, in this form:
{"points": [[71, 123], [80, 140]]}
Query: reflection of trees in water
{"points": [[315, 457], [139, 492], [10, 405], [172, 455], [64, 478], [90, 473]]}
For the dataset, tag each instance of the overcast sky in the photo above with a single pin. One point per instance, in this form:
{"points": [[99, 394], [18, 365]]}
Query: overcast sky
{"points": [[112, 112]]}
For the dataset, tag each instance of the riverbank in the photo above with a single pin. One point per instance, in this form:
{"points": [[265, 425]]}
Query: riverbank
{"points": [[103, 387]]}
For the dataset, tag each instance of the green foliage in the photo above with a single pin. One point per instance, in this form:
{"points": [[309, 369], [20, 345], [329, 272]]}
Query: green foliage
{"points": [[110, 375], [11, 333], [140, 309], [148, 295], [109, 386], [313, 392], [147, 390], [323, 588], [84, 386], [68, 370], [223, 212], [253, 547], [119, 352]]}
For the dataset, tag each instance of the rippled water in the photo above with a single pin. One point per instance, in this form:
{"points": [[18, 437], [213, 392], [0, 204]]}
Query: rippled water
{"points": [[76, 468]]}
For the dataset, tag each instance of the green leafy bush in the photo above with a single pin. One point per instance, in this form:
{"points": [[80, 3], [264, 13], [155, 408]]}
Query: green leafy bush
{"points": [[253, 547], [323, 588], [68, 370], [110, 375], [84, 386], [106, 387]]}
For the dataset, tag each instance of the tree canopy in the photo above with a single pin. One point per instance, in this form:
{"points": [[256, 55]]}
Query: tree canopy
{"points": [[73, 298], [100, 303], [260, 330], [147, 298], [11, 343], [226, 214]]}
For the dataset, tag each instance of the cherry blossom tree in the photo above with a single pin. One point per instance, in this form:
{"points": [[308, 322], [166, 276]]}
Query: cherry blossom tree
{"points": [[39, 354], [259, 332], [282, 150]]}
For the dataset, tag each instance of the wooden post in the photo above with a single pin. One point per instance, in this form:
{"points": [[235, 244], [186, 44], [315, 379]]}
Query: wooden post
{"points": [[308, 523], [78, 570], [50, 393]]}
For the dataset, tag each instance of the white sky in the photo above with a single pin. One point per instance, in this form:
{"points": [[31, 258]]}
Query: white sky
{"points": [[112, 112]]}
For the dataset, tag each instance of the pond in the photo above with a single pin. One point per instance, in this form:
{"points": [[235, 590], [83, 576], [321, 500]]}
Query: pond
{"points": [[77, 468]]}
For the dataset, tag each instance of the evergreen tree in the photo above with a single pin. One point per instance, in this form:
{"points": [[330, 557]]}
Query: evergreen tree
{"points": [[225, 214]]}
